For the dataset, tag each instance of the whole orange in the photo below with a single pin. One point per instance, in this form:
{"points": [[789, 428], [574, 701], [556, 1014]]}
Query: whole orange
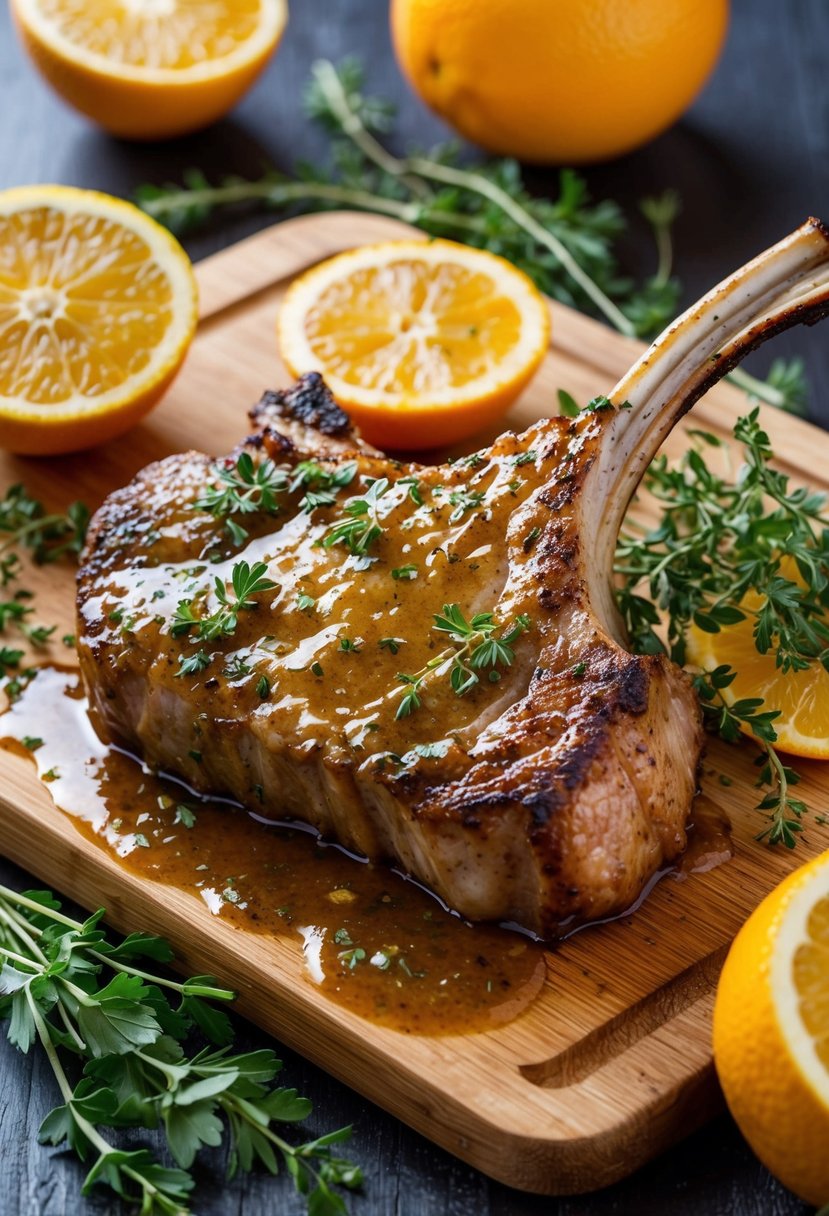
{"points": [[558, 80]]}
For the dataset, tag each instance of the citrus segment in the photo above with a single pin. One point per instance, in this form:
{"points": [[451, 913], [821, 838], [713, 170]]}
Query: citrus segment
{"points": [[771, 1030], [152, 69], [423, 344], [97, 309], [801, 696]]}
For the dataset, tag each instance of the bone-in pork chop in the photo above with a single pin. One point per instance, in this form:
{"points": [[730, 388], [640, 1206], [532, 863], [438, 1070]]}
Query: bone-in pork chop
{"points": [[425, 662]]}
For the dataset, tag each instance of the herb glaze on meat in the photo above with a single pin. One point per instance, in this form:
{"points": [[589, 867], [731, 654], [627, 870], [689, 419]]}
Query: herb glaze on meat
{"points": [[430, 667]]}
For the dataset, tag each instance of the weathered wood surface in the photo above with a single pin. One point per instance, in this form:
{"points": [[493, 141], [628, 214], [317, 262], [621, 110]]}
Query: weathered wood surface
{"points": [[751, 160]]}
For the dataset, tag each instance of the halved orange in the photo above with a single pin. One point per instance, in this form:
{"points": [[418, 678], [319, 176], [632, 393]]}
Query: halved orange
{"points": [[801, 696], [150, 69], [422, 343], [771, 1030], [98, 305]]}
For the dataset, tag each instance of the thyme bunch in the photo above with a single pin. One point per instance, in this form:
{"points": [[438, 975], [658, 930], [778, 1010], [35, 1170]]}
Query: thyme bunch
{"points": [[719, 540]]}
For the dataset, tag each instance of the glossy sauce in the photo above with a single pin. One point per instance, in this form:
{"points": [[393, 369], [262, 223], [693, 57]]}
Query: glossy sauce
{"points": [[334, 622], [373, 942]]}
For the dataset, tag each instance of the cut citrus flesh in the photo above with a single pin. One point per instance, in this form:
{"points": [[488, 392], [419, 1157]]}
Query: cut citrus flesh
{"points": [[801, 696], [98, 305], [151, 68], [421, 343], [771, 1030]]}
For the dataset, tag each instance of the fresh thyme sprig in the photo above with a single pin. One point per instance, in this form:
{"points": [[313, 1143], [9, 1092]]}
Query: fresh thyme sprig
{"points": [[247, 487], [244, 487], [475, 651], [361, 526], [97, 1013], [719, 541], [47, 536], [26, 525], [247, 581], [567, 245]]}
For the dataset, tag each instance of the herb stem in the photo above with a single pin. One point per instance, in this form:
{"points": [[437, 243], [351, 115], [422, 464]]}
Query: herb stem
{"points": [[759, 389], [21, 932], [14, 957], [332, 89], [88, 1129], [212, 994], [35, 525], [469, 180], [330, 84], [23, 901]]}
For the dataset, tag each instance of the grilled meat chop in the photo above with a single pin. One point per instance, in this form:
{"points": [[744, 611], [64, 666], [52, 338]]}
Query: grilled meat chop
{"points": [[548, 791]]}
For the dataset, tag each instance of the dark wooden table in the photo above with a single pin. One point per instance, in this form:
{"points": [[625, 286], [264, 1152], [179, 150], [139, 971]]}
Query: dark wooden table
{"points": [[751, 160]]}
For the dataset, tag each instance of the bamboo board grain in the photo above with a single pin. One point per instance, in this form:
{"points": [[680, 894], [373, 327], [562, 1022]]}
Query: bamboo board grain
{"points": [[612, 1063]]}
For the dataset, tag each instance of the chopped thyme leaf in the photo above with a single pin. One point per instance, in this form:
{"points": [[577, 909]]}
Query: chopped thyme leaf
{"points": [[392, 644], [349, 645], [343, 938], [530, 539], [464, 500], [185, 815], [578, 669], [31, 742], [236, 668], [528, 457], [316, 669], [140, 840], [415, 493], [68, 640], [51, 775], [425, 751], [9, 658], [193, 664], [305, 602], [263, 688], [405, 572], [352, 957], [598, 403], [246, 581], [194, 755]]}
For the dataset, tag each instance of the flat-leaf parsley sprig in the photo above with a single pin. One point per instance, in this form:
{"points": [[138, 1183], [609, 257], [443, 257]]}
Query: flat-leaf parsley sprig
{"points": [[717, 540], [121, 1031], [475, 651]]}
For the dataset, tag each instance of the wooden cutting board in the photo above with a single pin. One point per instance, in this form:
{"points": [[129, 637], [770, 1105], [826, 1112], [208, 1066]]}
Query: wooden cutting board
{"points": [[613, 1061]]}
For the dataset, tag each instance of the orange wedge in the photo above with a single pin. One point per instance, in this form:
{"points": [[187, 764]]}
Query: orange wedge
{"points": [[771, 1031], [150, 69], [801, 696], [98, 305], [422, 343]]}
